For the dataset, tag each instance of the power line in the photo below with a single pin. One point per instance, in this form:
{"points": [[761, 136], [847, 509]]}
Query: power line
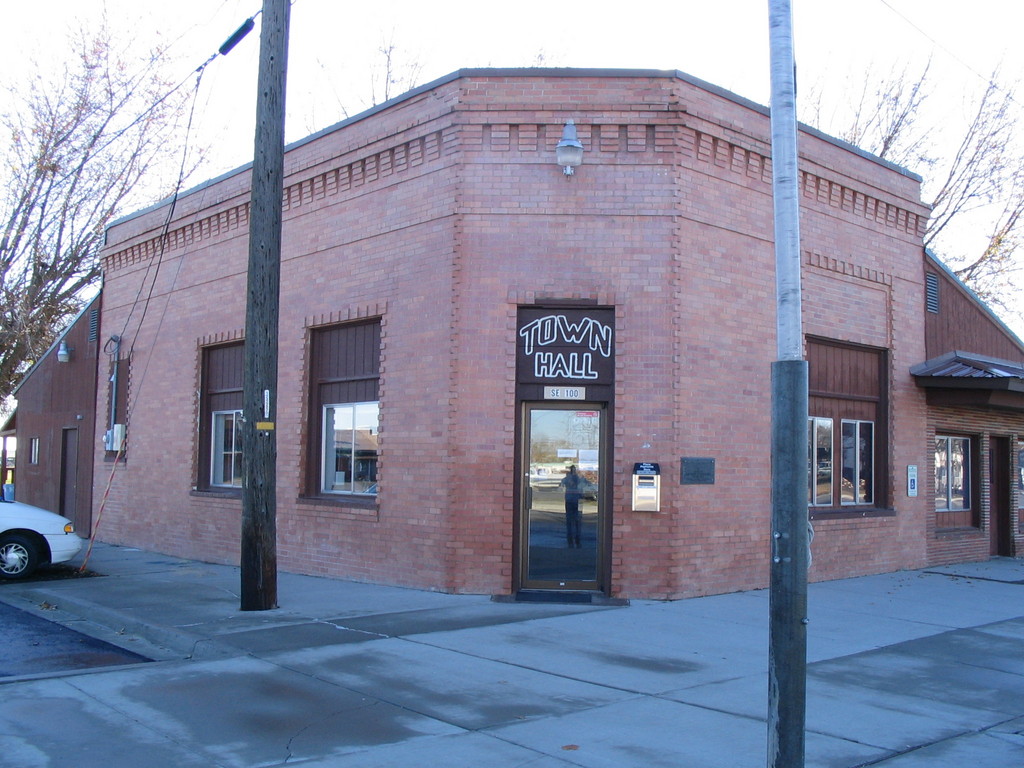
{"points": [[984, 78], [224, 49]]}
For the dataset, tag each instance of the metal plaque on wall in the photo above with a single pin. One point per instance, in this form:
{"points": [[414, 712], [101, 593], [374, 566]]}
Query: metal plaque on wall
{"points": [[696, 471]]}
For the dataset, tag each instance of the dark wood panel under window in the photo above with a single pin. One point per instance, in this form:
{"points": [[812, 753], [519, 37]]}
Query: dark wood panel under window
{"points": [[346, 352], [359, 391], [837, 410], [224, 377], [844, 370], [224, 368]]}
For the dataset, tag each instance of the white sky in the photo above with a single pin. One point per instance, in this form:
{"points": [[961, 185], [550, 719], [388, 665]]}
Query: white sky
{"points": [[334, 47]]}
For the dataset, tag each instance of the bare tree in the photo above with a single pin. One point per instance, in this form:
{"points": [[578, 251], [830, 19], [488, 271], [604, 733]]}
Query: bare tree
{"points": [[880, 115], [388, 77], [993, 273], [75, 145], [975, 186], [391, 73]]}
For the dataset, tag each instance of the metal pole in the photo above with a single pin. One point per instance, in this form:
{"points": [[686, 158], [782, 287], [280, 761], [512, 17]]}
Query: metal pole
{"points": [[259, 397], [787, 651]]}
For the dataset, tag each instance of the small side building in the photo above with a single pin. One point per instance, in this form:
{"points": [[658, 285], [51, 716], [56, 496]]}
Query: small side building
{"points": [[56, 423], [974, 384]]}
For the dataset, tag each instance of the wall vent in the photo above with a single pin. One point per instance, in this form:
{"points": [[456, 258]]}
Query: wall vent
{"points": [[931, 292]]}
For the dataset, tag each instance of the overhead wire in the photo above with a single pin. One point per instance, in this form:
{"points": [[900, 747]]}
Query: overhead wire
{"points": [[157, 261], [987, 79], [165, 229], [224, 49]]}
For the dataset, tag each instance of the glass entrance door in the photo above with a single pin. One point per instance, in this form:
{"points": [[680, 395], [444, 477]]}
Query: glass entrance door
{"points": [[562, 499]]}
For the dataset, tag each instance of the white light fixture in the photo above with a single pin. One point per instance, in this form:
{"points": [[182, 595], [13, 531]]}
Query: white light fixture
{"points": [[63, 352], [569, 151]]}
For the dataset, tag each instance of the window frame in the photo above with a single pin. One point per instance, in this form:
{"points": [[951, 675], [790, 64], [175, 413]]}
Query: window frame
{"points": [[217, 454], [858, 455], [947, 518], [354, 457], [814, 461]]}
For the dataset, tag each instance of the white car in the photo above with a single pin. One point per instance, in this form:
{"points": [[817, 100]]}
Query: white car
{"points": [[30, 537]]}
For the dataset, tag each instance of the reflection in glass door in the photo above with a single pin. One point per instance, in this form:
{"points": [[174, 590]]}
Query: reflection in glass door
{"points": [[562, 497]]}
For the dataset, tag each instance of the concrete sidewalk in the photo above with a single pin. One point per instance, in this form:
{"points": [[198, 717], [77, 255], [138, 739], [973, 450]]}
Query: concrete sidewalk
{"points": [[921, 668]]}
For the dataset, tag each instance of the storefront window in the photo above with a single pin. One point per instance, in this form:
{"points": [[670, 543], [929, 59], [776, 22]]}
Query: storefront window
{"points": [[350, 448]]}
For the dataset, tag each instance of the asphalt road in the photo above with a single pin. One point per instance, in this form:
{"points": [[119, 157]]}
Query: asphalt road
{"points": [[31, 645]]}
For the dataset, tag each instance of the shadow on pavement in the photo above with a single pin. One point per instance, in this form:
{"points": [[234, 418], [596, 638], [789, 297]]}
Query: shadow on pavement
{"points": [[34, 646]]}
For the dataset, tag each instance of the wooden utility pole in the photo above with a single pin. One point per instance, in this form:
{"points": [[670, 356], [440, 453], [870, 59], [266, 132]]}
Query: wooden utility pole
{"points": [[787, 649], [259, 435]]}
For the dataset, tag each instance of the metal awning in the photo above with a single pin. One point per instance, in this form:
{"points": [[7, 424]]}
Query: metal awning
{"points": [[968, 379], [969, 371]]}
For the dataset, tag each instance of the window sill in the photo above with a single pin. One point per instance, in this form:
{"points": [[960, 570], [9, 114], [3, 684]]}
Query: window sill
{"points": [[340, 500], [962, 531], [217, 493], [361, 508], [848, 513]]}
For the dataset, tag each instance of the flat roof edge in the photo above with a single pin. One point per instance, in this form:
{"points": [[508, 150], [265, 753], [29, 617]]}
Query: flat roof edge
{"points": [[528, 72]]}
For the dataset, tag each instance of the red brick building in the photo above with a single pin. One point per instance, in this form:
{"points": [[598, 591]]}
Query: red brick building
{"points": [[55, 422], [462, 322]]}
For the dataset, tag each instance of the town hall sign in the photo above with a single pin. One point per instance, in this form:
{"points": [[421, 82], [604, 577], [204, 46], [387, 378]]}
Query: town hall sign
{"points": [[565, 345]]}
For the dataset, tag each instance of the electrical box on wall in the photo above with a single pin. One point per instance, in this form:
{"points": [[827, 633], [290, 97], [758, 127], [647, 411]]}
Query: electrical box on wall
{"points": [[113, 438], [646, 487]]}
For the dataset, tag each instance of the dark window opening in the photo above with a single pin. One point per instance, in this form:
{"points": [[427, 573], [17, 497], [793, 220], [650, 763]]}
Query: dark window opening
{"points": [[344, 412], [847, 426], [220, 440]]}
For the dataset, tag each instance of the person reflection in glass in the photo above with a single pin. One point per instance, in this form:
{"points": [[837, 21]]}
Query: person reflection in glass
{"points": [[572, 484]]}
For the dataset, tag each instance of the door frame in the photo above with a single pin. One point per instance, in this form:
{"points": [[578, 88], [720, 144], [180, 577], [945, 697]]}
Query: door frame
{"points": [[1000, 455], [520, 540], [68, 491]]}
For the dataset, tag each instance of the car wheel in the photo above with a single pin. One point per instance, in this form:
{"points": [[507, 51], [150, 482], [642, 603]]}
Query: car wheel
{"points": [[19, 556]]}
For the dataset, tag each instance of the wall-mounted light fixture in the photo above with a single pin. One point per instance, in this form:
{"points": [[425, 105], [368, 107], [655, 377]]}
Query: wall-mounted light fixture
{"points": [[569, 151], [63, 352]]}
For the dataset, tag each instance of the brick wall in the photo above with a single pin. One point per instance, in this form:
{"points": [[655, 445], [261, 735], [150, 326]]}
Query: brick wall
{"points": [[440, 216]]}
